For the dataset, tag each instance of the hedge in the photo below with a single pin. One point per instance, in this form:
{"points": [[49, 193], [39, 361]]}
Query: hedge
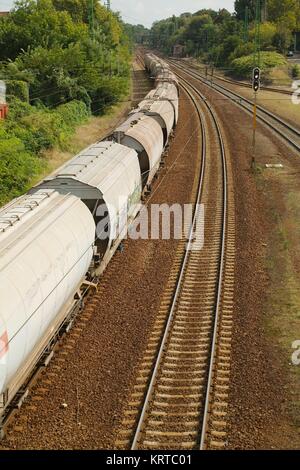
{"points": [[25, 134], [242, 67], [17, 89]]}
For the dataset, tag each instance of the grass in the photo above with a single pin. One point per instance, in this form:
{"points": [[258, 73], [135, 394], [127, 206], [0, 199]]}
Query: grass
{"points": [[280, 76], [282, 310]]}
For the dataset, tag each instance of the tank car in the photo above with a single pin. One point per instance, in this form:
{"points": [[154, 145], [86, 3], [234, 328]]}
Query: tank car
{"points": [[107, 178], [46, 247]]}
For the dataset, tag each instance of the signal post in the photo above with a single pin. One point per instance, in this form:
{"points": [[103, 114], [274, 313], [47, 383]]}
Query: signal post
{"points": [[256, 87]]}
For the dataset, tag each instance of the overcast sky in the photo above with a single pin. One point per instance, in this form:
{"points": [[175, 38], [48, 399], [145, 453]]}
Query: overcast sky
{"points": [[147, 11]]}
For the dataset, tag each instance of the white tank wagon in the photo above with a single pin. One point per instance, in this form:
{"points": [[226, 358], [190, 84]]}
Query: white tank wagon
{"points": [[106, 177], [46, 247], [143, 134], [156, 68], [166, 92], [160, 69], [149, 58], [166, 75], [162, 111], [154, 65]]}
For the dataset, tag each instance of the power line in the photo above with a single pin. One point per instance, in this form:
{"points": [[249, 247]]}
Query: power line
{"points": [[246, 25], [257, 33]]}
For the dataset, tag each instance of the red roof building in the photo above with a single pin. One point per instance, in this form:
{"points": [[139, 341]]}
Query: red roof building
{"points": [[3, 111], [4, 13]]}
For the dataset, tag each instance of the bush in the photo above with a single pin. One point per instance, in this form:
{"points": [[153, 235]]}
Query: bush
{"points": [[40, 128], [242, 50], [17, 89], [25, 134], [296, 71], [73, 113], [242, 67], [108, 93], [17, 166]]}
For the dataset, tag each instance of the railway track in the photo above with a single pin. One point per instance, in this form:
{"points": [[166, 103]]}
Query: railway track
{"points": [[57, 345], [242, 84], [287, 132], [181, 394]]}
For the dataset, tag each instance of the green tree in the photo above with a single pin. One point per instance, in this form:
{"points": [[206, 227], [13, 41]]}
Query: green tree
{"points": [[48, 45], [240, 9], [267, 34], [34, 24]]}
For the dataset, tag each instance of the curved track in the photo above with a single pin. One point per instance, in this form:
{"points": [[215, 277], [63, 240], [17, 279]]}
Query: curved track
{"points": [[290, 134], [190, 345], [241, 84]]}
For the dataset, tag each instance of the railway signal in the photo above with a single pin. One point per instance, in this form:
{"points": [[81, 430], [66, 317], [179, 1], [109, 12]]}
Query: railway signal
{"points": [[256, 79], [256, 87]]}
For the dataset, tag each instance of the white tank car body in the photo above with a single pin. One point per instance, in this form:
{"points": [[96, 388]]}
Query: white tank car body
{"points": [[143, 134], [166, 75], [148, 59], [154, 64], [166, 91], [46, 247], [106, 177], [162, 111]]}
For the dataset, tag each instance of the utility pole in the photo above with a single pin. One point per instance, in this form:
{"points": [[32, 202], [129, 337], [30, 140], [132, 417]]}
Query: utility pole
{"points": [[107, 4], [246, 25], [91, 18], [264, 11], [256, 76], [257, 33]]}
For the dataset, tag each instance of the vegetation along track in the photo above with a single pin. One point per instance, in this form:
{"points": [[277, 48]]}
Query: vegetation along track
{"points": [[290, 134], [181, 393]]}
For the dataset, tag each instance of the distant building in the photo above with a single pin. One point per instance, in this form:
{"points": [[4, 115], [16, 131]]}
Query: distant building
{"points": [[3, 105], [179, 50], [3, 111], [4, 13]]}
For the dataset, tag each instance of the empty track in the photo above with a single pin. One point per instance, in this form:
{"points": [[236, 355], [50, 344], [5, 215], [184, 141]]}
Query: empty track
{"points": [[239, 83], [286, 131], [181, 394]]}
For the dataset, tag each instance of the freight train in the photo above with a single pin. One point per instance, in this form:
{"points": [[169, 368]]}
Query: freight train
{"points": [[51, 245]]}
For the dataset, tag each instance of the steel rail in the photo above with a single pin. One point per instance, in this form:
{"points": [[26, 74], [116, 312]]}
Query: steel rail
{"points": [[247, 105], [147, 400], [242, 84]]}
